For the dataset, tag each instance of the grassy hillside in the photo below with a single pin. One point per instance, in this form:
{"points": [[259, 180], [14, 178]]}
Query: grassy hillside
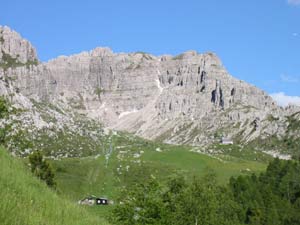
{"points": [[27, 201], [134, 160], [79, 177]]}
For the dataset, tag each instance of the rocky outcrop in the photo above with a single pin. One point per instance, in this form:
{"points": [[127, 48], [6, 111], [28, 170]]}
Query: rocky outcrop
{"points": [[14, 46], [183, 99]]}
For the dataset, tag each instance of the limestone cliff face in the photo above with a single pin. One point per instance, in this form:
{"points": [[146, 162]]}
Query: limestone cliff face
{"points": [[14, 45], [181, 99]]}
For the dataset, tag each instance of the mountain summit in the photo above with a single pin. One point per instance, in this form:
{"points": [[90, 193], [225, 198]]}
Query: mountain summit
{"points": [[185, 99]]}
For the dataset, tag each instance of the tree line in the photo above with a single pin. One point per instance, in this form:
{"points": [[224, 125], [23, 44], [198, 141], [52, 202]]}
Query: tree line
{"points": [[271, 198]]}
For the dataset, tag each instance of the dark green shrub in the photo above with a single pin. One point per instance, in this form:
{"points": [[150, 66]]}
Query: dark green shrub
{"points": [[3, 107], [42, 169]]}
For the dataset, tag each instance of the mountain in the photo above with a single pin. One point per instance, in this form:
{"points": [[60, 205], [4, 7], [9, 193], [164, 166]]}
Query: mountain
{"points": [[186, 99]]}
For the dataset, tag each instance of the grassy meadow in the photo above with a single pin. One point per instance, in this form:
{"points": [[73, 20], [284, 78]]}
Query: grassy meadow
{"points": [[134, 160], [27, 201]]}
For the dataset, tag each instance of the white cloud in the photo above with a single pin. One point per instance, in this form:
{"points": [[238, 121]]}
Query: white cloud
{"points": [[289, 79], [284, 100], [294, 2], [295, 34]]}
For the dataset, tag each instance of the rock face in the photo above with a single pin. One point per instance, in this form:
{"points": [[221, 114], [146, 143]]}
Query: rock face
{"points": [[189, 98], [13, 44]]}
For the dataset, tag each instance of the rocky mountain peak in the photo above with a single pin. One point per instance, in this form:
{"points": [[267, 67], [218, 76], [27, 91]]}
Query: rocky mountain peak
{"points": [[101, 52], [14, 46], [188, 98]]}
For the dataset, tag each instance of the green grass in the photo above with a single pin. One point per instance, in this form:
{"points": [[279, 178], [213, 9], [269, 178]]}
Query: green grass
{"points": [[246, 152], [80, 177], [196, 164], [26, 200]]}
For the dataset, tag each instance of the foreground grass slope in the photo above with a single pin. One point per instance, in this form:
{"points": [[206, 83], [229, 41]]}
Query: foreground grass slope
{"points": [[26, 200]]}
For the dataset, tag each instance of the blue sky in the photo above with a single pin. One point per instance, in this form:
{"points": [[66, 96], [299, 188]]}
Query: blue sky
{"points": [[258, 40]]}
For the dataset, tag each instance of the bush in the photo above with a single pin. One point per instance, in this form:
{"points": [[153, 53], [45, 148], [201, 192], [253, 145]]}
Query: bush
{"points": [[178, 202], [42, 169], [3, 107]]}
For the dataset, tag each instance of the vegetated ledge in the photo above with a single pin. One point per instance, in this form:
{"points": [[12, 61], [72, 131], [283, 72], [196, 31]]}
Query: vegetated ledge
{"points": [[12, 62]]}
